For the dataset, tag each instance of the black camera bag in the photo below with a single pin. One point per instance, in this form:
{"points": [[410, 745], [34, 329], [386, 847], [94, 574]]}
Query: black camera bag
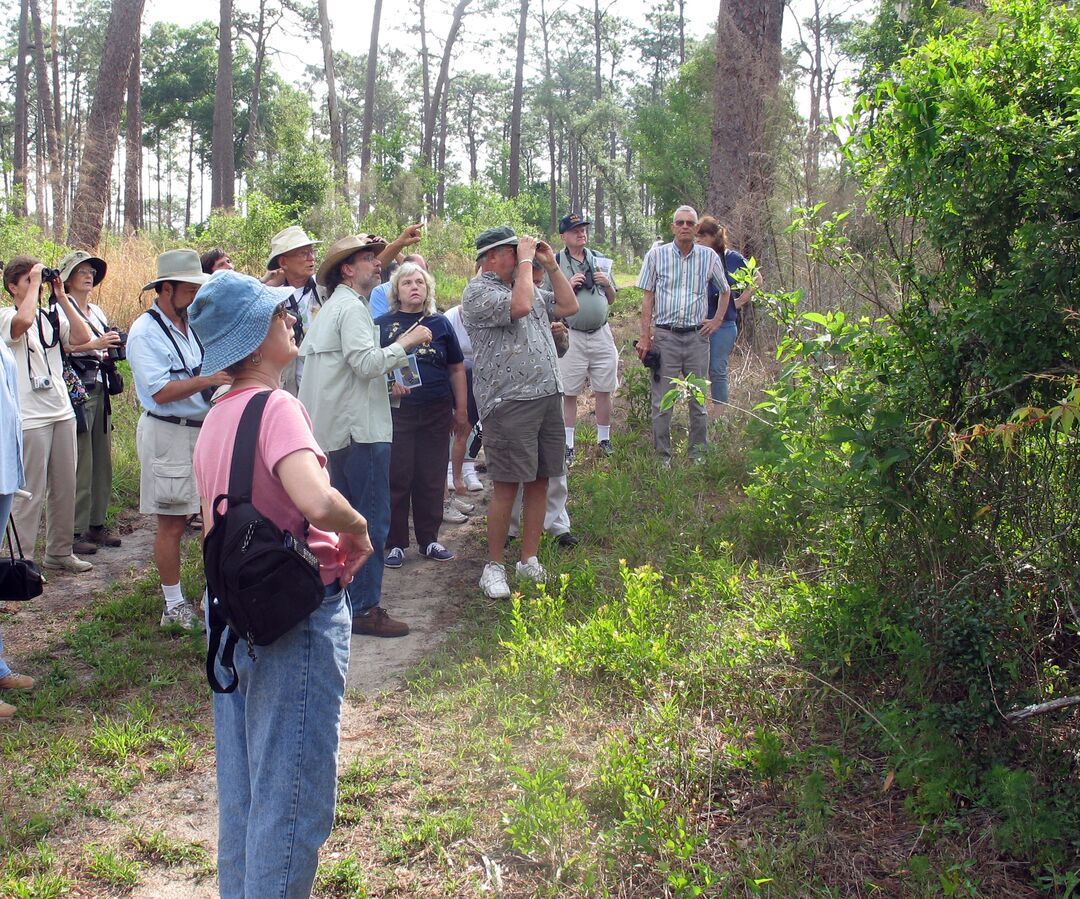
{"points": [[260, 581], [20, 579]]}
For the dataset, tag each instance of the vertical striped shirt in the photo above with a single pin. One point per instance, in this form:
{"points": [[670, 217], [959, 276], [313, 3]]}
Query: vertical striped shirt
{"points": [[680, 283]]}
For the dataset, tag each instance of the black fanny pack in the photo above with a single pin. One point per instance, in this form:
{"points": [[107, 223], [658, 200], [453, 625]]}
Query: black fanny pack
{"points": [[260, 581]]}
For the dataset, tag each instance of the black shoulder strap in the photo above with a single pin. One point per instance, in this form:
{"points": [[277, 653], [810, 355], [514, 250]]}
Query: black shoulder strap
{"points": [[242, 469], [165, 328], [228, 663]]}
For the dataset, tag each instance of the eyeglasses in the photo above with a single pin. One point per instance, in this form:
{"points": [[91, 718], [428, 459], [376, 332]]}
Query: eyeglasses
{"points": [[682, 222], [280, 311]]}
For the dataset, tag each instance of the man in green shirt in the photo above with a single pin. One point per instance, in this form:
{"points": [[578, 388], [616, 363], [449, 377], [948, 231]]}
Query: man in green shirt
{"points": [[592, 355]]}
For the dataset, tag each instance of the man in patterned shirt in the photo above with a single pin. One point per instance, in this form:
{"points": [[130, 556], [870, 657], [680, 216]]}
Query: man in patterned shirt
{"points": [[675, 279], [517, 386]]}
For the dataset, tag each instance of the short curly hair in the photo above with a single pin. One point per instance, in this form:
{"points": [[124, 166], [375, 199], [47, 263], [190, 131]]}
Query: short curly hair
{"points": [[411, 268]]}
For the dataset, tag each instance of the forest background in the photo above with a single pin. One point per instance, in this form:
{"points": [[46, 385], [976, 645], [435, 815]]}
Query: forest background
{"points": [[856, 668]]}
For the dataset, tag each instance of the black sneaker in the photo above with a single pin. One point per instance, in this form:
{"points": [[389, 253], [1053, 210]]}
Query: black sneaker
{"points": [[606, 448], [567, 540], [569, 456]]}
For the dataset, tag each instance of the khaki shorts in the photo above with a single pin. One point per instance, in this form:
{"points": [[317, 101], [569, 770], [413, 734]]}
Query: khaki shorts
{"points": [[591, 358], [525, 440], [166, 479]]}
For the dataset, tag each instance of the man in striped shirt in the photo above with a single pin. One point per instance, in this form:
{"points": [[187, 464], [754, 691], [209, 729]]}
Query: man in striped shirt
{"points": [[675, 278]]}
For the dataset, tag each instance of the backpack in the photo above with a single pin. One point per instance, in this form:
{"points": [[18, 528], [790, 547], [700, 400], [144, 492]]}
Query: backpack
{"points": [[260, 581]]}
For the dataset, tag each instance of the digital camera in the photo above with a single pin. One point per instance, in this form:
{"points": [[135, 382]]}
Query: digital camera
{"points": [[41, 382]]}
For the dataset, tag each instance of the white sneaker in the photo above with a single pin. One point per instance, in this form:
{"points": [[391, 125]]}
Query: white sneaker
{"points": [[472, 482], [451, 514], [493, 581], [66, 563], [532, 570], [449, 475], [182, 616], [458, 503]]}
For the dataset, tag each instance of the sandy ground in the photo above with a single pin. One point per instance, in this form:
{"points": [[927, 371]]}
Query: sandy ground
{"points": [[428, 595]]}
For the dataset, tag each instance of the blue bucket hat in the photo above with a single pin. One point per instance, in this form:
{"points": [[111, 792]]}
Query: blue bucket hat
{"points": [[231, 315]]}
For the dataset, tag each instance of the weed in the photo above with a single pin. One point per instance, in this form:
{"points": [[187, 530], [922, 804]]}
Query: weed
{"points": [[341, 879], [544, 820], [110, 866], [157, 846], [430, 830]]}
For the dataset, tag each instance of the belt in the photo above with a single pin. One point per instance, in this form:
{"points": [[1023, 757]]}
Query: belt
{"points": [[587, 330], [677, 329], [173, 420]]}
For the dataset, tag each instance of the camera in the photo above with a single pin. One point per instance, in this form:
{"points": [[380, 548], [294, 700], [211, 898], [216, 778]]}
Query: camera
{"points": [[49, 274], [652, 362], [41, 382], [118, 352]]}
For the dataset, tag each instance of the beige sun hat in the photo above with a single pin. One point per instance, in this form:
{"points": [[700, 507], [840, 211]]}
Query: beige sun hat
{"points": [[73, 260], [342, 249], [178, 265], [291, 238]]}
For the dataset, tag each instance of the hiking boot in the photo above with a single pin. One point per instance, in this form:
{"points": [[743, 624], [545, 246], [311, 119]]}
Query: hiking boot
{"points": [[452, 515], [17, 682], [6, 711], [395, 558], [102, 536], [569, 456], [436, 552], [531, 570], [182, 616], [66, 563], [83, 545], [377, 623], [606, 448], [493, 581], [567, 541]]}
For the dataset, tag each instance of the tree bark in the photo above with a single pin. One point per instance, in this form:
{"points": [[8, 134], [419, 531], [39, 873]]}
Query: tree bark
{"points": [[223, 150], [49, 132], [440, 83], [92, 193], [745, 88], [440, 189], [370, 79], [133, 146], [425, 66], [252, 140], [553, 194], [337, 144], [514, 185], [22, 122], [598, 213]]}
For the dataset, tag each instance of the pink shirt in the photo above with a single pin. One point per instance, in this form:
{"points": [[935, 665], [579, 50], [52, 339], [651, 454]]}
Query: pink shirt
{"points": [[285, 429]]}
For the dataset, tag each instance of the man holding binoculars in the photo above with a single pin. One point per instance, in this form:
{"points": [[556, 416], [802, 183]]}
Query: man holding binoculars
{"points": [[592, 356], [166, 358]]}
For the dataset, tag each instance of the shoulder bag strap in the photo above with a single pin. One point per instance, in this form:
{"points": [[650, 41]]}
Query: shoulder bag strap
{"points": [[228, 663], [242, 469], [165, 329]]}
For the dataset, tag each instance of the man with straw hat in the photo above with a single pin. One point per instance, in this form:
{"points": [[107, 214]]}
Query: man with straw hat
{"points": [[344, 390], [166, 360]]}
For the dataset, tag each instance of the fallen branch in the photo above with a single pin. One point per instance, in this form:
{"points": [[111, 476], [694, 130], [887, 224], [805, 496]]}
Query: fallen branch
{"points": [[1029, 711]]}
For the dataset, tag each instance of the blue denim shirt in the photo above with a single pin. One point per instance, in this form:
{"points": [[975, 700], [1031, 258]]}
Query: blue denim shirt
{"points": [[11, 470], [154, 363]]}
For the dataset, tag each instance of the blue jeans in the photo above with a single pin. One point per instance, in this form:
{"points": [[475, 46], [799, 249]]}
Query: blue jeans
{"points": [[276, 746], [361, 471], [5, 512], [721, 343]]}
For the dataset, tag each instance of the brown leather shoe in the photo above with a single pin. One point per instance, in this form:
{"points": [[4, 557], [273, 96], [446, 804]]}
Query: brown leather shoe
{"points": [[102, 537], [83, 545], [376, 623], [6, 711], [16, 682]]}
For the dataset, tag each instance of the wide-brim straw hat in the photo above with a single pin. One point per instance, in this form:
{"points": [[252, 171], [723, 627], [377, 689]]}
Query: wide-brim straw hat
{"points": [[291, 238], [73, 260], [178, 265], [342, 249], [231, 315]]}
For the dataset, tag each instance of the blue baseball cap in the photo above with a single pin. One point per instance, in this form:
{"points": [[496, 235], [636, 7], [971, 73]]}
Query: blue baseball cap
{"points": [[573, 220]]}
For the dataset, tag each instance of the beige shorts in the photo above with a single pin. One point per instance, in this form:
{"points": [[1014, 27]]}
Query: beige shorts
{"points": [[166, 478], [591, 358]]}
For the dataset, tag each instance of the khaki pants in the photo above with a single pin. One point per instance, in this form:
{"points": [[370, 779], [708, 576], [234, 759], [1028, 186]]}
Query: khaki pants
{"points": [[93, 476], [49, 463]]}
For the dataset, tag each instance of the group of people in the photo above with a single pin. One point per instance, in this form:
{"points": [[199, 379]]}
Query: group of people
{"points": [[378, 413]]}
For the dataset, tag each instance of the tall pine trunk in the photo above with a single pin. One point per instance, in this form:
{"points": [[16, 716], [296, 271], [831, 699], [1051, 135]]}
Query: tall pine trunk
{"points": [[22, 121], [514, 186], [337, 142], [92, 193], [133, 146], [367, 126], [223, 151]]}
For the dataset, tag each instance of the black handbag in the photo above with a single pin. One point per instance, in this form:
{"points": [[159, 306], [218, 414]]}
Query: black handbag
{"points": [[260, 581], [20, 579], [114, 381]]}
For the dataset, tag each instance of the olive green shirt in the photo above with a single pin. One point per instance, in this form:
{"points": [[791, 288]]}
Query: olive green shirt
{"points": [[593, 304], [345, 368]]}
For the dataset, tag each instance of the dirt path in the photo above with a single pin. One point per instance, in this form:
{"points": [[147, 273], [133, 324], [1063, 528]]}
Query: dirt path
{"points": [[427, 595]]}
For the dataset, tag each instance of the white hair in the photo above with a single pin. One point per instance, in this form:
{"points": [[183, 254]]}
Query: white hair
{"points": [[410, 268], [689, 209]]}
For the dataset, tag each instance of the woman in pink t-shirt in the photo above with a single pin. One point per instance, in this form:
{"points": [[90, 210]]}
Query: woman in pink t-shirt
{"points": [[277, 734]]}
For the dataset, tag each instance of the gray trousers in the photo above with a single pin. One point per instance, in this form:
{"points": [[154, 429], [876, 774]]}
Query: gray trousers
{"points": [[680, 355], [93, 476], [556, 520]]}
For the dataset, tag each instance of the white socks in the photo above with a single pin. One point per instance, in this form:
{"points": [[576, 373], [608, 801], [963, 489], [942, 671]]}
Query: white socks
{"points": [[174, 596], [603, 432], [569, 437]]}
